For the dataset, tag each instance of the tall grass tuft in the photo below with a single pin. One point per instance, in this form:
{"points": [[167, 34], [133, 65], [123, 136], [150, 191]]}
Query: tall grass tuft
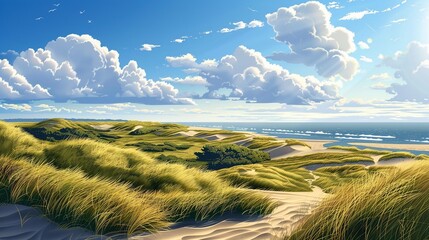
{"points": [[388, 206], [71, 198], [15, 142]]}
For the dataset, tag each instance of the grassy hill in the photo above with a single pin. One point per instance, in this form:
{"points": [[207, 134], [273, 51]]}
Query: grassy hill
{"points": [[104, 187]]}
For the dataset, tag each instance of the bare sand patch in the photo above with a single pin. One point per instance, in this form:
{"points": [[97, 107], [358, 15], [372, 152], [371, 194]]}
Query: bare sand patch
{"points": [[103, 127], [136, 128]]}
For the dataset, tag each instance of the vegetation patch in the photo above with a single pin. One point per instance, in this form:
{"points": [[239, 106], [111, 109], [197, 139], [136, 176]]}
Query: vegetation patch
{"points": [[380, 206], [397, 155], [69, 197], [263, 143], [330, 178], [167, 146], [258, 176], [295, 162], [362, 151], [227, 155], [292, 142]]}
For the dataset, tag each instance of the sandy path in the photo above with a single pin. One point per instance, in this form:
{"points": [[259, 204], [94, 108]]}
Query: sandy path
{"points": [[409, 147], [293, 206]]}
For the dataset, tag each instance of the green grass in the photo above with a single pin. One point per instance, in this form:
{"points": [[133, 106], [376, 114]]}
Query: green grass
{"points": [[381, 206], [329, 178], [362, 151], [105, 187], [291, 163], [258, 176], [263, 143], [292, 142], [397, 155], [16, 143], [71, 198], [422, 157]]}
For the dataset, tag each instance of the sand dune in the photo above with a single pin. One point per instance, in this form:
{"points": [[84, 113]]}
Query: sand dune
{"points": [[187, 134], [102, 127], [293, 206], [136, 128]]}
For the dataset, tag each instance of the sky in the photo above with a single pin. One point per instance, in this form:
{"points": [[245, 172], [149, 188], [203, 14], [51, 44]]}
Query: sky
{"points": [[215, 61]]}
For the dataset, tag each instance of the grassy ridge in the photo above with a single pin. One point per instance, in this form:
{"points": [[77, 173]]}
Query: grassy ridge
{"points": [[317, 158], [388, 206], [107, 188], [292, 142], [264, 177], [358, 150], [397, 155], [329, 178]]}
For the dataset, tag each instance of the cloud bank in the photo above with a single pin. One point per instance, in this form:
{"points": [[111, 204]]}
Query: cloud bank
{"points": [[247, 75], [313, 40], [78, 67], [412, 66]]}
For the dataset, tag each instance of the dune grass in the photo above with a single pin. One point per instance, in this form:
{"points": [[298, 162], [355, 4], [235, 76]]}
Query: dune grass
{"points": [[295, 162], [422, 157], [329, 178], [263, 143], [358, 150], [107, 188], [16, 143], [381, 206], [292, 142], [71, 198], [261, 177], [397, 155]]}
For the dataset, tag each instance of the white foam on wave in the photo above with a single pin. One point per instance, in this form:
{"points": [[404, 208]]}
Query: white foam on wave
{"points": [[289, 133], [376, 136], [361, 138], [318, 132], [418, 141]]}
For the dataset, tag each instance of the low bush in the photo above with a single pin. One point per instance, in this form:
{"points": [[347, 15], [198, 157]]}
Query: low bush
{"points": [[228, 155]]}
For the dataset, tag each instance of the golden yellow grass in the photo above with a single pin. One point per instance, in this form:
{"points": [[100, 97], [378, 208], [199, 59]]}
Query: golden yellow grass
{"points": [[107, 188], [392, 205]]}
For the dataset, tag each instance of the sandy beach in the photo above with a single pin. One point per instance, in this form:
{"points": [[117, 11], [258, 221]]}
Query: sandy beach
{"points": [[409, 147]]}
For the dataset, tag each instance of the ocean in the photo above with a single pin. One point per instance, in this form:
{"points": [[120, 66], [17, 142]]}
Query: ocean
{"points": [[343, 133]]}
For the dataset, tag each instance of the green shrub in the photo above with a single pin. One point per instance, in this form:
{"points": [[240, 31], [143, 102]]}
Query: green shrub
{"points": [[228, 155]]}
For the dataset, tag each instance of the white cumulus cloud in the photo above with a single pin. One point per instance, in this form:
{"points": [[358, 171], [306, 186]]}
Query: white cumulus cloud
{"points": [[412, 66], [247, 75], [307, 30], [78, 67], [242, 25], [149, 47]]}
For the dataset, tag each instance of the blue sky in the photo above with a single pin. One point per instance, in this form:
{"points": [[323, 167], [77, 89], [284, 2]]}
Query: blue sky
{"points": [[244, 60]]}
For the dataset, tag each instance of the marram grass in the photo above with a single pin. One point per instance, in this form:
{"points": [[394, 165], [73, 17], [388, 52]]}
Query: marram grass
{"points": [[71, 198], [111, 189], [385, 206]]}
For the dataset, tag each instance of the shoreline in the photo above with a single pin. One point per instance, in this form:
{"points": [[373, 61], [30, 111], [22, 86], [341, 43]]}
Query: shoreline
{"points": [[395, 146]]}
